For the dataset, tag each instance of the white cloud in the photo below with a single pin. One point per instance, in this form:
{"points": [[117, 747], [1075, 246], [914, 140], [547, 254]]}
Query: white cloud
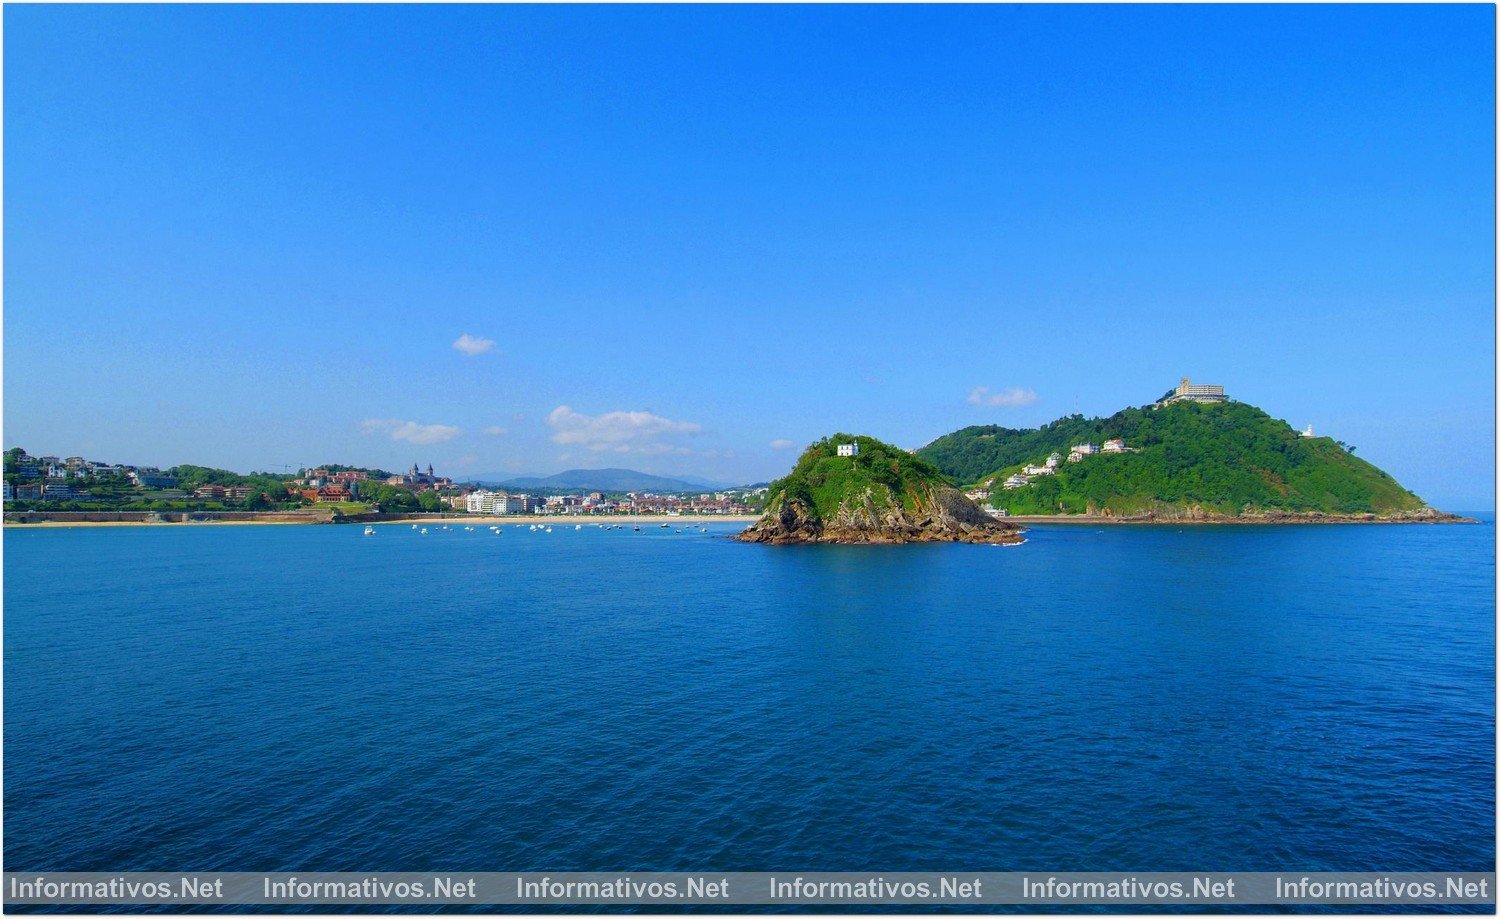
{"points": [[471, 345], [495, 430], [410, 431], [981, 395], [619, 432], [781, 444]]}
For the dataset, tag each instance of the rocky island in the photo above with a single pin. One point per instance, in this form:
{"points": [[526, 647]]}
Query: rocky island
{"points": [[855, 489]]}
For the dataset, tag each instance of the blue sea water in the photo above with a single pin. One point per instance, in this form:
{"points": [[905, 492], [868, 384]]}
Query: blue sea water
{"points": [[1102, 698]]}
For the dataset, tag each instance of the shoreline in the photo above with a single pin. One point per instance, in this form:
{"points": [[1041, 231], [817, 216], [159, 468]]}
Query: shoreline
{"points": [[361, 520], [570, 520], [1315, 519], [291, 519]]}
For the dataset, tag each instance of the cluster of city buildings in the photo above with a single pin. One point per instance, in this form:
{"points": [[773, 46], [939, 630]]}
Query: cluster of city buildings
{"points": [[52, 478], [483, 501]]}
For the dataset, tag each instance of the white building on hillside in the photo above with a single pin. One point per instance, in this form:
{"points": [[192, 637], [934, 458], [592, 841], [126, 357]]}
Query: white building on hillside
{"points": [[1085, 449], [1015, 481], [848, 449], [1188, 391], [1115, 445]]}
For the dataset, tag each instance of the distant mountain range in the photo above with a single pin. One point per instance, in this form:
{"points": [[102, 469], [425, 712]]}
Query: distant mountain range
{"points": [[600, 480]]}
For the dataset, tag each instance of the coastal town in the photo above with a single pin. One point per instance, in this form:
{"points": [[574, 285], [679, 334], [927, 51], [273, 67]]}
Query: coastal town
{"points": [[76, 483]]}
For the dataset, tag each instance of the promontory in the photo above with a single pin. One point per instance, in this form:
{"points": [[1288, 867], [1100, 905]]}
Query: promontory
{"points": [[855, 489]]}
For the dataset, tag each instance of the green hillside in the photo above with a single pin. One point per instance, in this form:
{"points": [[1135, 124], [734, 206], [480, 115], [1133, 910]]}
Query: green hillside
{"points": [[1229, 458], [823, 481], [882, 494]]}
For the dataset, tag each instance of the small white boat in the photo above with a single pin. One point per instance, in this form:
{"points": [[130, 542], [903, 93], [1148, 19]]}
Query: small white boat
{"points": [[369, 531], [424, 531], [577, 526], [414, 526], [665, 527]]}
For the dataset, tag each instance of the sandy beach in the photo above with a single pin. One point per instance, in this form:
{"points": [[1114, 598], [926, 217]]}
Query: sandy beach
{"points": [[591, 520]]}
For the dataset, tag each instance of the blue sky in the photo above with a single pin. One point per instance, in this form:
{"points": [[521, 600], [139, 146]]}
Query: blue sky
{"points": [[256, 236]]}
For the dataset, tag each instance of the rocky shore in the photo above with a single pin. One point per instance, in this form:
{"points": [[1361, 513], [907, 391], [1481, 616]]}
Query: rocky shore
{"points": [[942, 514], [1196, 515]]}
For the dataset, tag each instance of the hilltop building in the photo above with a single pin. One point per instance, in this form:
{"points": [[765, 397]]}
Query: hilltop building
{"points": [[1307, 432], [420, 480], [848, 449], [1188, 391]]}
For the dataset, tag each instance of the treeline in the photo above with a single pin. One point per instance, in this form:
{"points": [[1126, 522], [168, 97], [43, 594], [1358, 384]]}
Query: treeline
{"points": [[822, 479]]}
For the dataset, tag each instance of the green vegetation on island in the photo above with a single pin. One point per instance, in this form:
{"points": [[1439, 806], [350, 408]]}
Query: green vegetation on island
{"points": [[1181, 459], [851, 488]]}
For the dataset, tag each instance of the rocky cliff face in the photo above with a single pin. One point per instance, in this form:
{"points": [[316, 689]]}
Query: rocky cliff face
{"points": [[939, 513]]}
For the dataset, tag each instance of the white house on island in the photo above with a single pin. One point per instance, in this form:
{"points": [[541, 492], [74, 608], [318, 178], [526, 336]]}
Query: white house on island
{"points": [[848, 449]]}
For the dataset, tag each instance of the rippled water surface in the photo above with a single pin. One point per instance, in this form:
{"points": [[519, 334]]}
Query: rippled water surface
{"points": [[310, 699]]}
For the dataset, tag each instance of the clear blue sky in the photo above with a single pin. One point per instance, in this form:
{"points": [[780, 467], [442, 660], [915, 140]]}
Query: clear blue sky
{"points": [[252, 236]]}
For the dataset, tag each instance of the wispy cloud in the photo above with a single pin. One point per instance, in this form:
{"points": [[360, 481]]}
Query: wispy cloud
{"points": [[781, 443], [620, 432], [1015, 396], [472, 345], [410, 431], [495, 430]]}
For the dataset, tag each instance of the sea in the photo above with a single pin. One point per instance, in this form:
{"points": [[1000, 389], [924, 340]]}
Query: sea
{"points": [[1102, 698]]}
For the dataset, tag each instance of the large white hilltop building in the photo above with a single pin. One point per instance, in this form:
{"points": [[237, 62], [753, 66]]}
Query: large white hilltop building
{"points": [[1188, 391], [848, 449]]}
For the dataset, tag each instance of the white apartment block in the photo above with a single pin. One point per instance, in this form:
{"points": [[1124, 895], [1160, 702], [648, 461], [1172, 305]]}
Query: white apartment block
{"points": [[485, 502]]}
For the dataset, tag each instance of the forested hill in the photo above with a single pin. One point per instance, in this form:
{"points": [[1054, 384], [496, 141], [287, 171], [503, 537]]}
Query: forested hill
{"points": [[871, 493], [1229, 458]]}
